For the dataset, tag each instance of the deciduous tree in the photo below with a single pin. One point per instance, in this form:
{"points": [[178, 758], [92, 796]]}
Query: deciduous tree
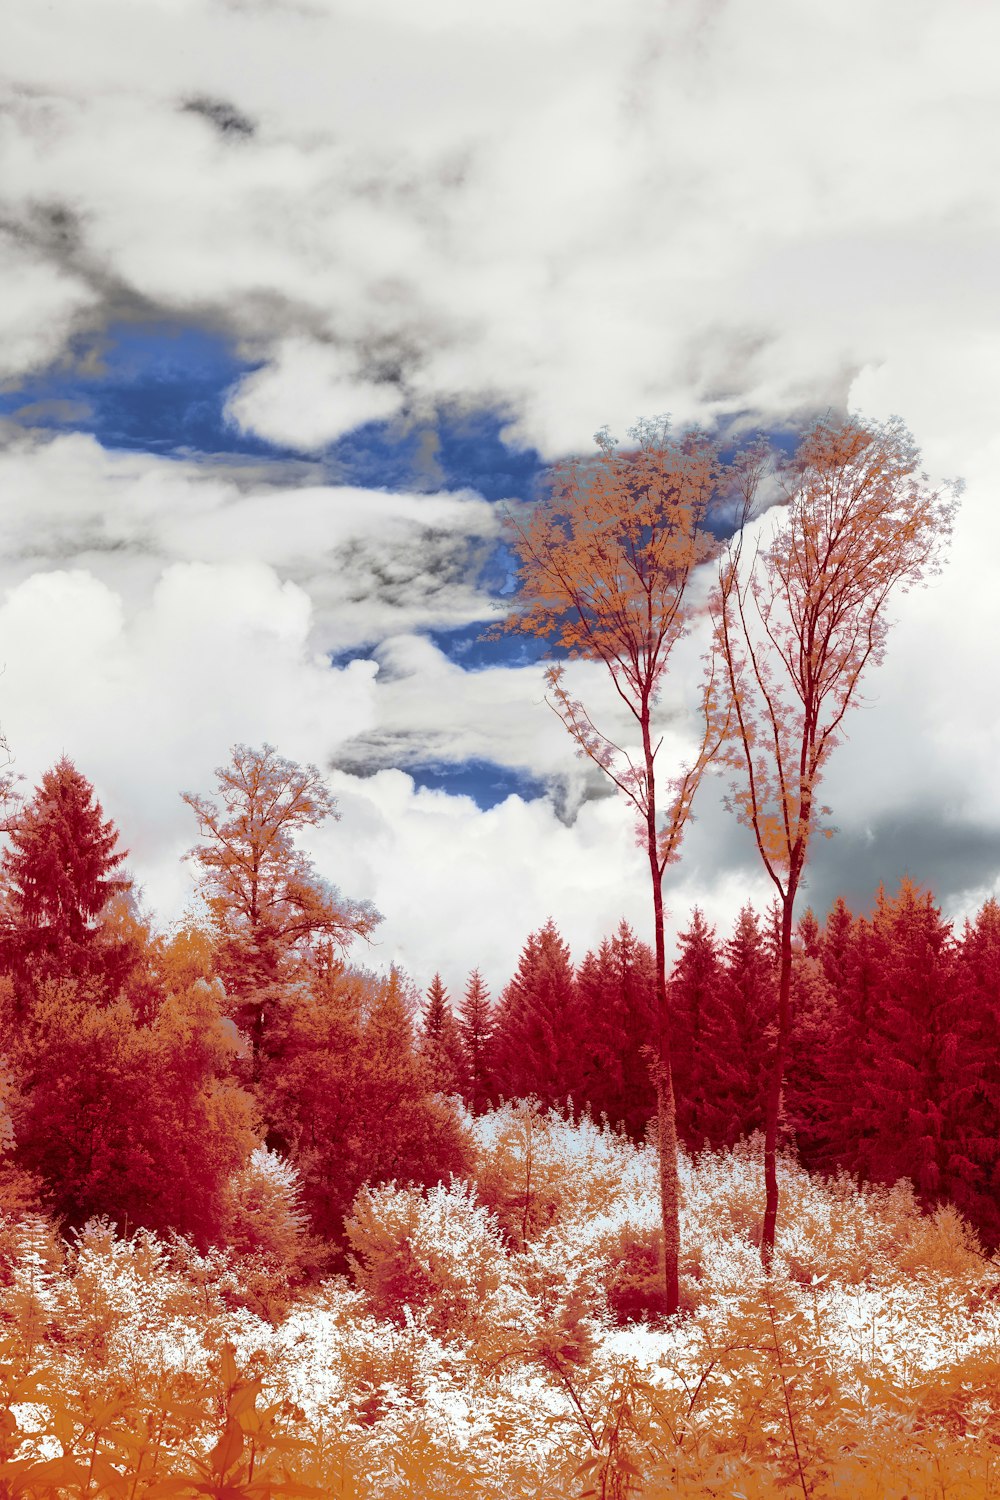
{"points": [[605, 561], [798, 621], [267, 902]]}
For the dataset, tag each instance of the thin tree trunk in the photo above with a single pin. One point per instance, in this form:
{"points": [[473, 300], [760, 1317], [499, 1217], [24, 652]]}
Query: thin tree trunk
{"points": [[666, 1114], [775, 1084]]}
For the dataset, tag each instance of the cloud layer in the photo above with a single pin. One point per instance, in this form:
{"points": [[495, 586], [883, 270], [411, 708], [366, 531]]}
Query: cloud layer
{"points": [[569, 214]]}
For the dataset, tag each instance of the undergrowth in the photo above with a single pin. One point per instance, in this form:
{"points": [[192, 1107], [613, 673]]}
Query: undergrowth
{"points": [[500, 1338]]}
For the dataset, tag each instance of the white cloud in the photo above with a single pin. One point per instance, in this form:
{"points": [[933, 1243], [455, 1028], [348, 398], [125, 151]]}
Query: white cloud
{"points": [[579, 212], [147, 703], [307, 396], [588, 214]]}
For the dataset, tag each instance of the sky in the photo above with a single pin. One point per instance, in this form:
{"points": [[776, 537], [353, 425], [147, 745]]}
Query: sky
{"points": [[297, 295]]}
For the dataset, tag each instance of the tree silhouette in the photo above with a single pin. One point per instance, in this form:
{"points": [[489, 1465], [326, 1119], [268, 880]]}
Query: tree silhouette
{"points": [[605, 561], [798, 620], [268, 904]]}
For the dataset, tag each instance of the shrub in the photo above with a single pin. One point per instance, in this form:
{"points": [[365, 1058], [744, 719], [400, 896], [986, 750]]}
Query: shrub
{"points": [[432, 1249]]}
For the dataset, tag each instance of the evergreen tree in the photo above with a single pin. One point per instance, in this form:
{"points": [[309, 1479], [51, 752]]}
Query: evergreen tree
{"points": [[346, 1095], [810, 933], [441, 1041], [139, 1122], [695, 993], [60, 873], [739, 1036], [475, 1024], [535, 1042], [838, 1115], [914, 1068], [979, 1121], [811, 1042], [616, 999]]}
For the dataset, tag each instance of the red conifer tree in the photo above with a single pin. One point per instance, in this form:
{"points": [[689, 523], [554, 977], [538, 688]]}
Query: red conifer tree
{"points": [[915, 1070], [60, 872], [475, 1023], [534, 1047], [441, 1041], [618, 1024], [696, 989], [738, 1036]]}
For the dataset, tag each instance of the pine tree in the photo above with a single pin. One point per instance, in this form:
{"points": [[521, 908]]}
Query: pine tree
{"points": [[616, 990], [696, 989], [441, 1041], [60, 874], [535, 1047], [811, 1042], [475, 1024], [841, 1118]]}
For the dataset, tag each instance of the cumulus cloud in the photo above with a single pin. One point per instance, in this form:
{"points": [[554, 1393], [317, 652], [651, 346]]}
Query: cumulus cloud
{"points": [[308, 395], [373, 563], [586, 214], [146, 703], [574, 214]]}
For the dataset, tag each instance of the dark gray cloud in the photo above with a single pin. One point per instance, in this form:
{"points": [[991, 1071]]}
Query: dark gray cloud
{"points": [[222, 115], [951, 859]]}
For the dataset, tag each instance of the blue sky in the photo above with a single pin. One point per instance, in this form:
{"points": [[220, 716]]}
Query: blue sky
{"points": [[293, 298], [161, 388]]}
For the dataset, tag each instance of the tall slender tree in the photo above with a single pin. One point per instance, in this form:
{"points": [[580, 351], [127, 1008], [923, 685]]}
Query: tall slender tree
{"points": [[798, 621], [475, 1024], [605, 562]]}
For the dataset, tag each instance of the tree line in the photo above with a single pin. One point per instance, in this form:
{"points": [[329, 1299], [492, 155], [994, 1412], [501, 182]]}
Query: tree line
{"points": [[141, 1071]]}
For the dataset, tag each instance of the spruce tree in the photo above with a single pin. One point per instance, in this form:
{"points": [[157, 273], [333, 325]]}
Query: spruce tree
{"points": [[441, 1042], [914, 1067], [739, 1036], [535, 1042], [810, 1044], [695, 993], [978, 1122], [616, 989], [60, 873], [475, 1024]]}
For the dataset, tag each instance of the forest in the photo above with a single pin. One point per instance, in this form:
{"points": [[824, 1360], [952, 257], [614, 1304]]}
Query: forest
{"points": [[718, 1223], [276, 1224]]}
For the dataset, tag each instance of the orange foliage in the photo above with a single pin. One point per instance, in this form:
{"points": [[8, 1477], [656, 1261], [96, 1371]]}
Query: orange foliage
{"points": [[267, 902], [605, 563], [797, 622]]}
